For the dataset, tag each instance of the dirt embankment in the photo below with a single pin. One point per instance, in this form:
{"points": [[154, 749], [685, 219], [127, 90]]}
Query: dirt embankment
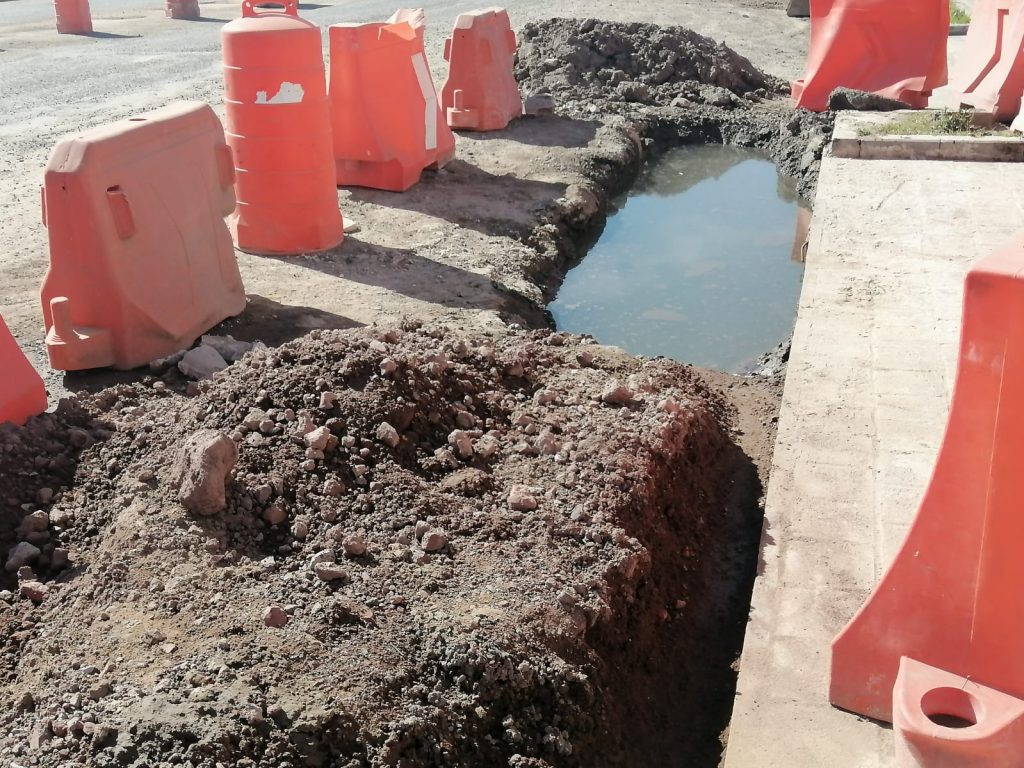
{"points": [[491, 550]]}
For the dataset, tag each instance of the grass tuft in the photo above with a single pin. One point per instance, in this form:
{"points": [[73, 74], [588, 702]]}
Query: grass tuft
{"points": [[957, 14], [928, 123]]}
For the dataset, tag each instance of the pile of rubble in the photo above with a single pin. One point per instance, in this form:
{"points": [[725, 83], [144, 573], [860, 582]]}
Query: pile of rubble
{"points": [[374, 547]]}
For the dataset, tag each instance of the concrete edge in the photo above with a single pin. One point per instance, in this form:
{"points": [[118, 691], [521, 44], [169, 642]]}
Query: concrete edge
{"points": [[990, 149]]}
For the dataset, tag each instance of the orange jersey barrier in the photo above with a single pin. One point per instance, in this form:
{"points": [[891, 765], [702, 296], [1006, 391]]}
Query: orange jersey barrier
{"points": [[990, 70], [182, 9], [952, 597], [141, 261], [872, 45], [385, 114], [279, 130], [481, 93], [22, 393], [73, 16]]}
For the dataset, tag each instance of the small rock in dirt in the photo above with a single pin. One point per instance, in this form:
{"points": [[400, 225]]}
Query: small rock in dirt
{"points": [[274, 616], [330, 572], [227, 347], [462, 443], [333, 487], [327, 401], [388, 435], [20, 555], [521, 499], [202, 362], [434, 541], [318, 438], [467, 482], [616, 393], [44, 495], [35, 591], [37, 521], [274, 515], [354, 545], [539, 104], [201, 470], [300, 530]]}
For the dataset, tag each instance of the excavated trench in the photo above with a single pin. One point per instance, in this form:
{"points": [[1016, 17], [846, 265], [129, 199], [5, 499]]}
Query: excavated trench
{"points": [[544, 559]]}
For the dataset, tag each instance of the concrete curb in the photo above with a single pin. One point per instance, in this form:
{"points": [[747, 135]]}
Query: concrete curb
{"points": [[958, 30], [848, 142]]}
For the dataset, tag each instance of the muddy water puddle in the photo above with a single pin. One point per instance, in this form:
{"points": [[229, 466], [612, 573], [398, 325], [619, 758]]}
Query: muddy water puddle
{"points": [[701, 262]]}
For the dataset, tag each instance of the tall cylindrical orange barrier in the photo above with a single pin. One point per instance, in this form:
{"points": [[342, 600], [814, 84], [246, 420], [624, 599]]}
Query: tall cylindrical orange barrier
{"points": [[182, 9], [279, 130], [73, 16]]}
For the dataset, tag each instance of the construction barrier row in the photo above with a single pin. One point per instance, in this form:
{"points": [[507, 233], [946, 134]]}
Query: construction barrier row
{"points": [[141, 262], [22, 394], [141, 259], [940, 637], [872, 46]]}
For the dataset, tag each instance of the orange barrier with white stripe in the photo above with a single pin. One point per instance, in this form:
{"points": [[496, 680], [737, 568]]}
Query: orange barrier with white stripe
{"points": [[481, 93], [22, 393], [387, 123], [141, 262]]}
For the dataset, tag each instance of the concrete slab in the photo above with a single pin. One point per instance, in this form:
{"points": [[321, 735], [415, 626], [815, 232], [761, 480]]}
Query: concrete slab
{"points": [[864, 408]]}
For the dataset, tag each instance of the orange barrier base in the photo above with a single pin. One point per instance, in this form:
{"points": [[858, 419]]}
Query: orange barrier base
{"points": [[990, 71], [951, 598], [870, 46], [946, 721], [141, 262], [22, 393]]}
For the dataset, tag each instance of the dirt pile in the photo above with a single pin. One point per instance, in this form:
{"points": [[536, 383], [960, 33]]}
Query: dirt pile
{"points": [[672, 86], [576, 60], [476, 551]]}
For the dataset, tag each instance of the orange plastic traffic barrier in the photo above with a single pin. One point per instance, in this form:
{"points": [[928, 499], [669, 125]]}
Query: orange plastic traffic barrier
{"points": [[73, 17], [141, 261], [386, 118], [941, 720], [990, 70], [873, 45], [22, 393], [279, 129], [182, 9], [481, 93], [952, 597]]}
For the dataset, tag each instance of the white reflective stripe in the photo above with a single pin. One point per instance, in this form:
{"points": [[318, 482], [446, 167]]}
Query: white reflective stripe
{"points": [[288, 93], [419, 63]]}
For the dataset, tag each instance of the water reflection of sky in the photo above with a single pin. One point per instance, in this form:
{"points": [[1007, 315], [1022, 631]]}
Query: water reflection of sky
{"points": [[696, 264]]}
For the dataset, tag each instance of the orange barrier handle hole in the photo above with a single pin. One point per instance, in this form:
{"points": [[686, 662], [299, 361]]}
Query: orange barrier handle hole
{"points": [[124, 223], [291, 7]]}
